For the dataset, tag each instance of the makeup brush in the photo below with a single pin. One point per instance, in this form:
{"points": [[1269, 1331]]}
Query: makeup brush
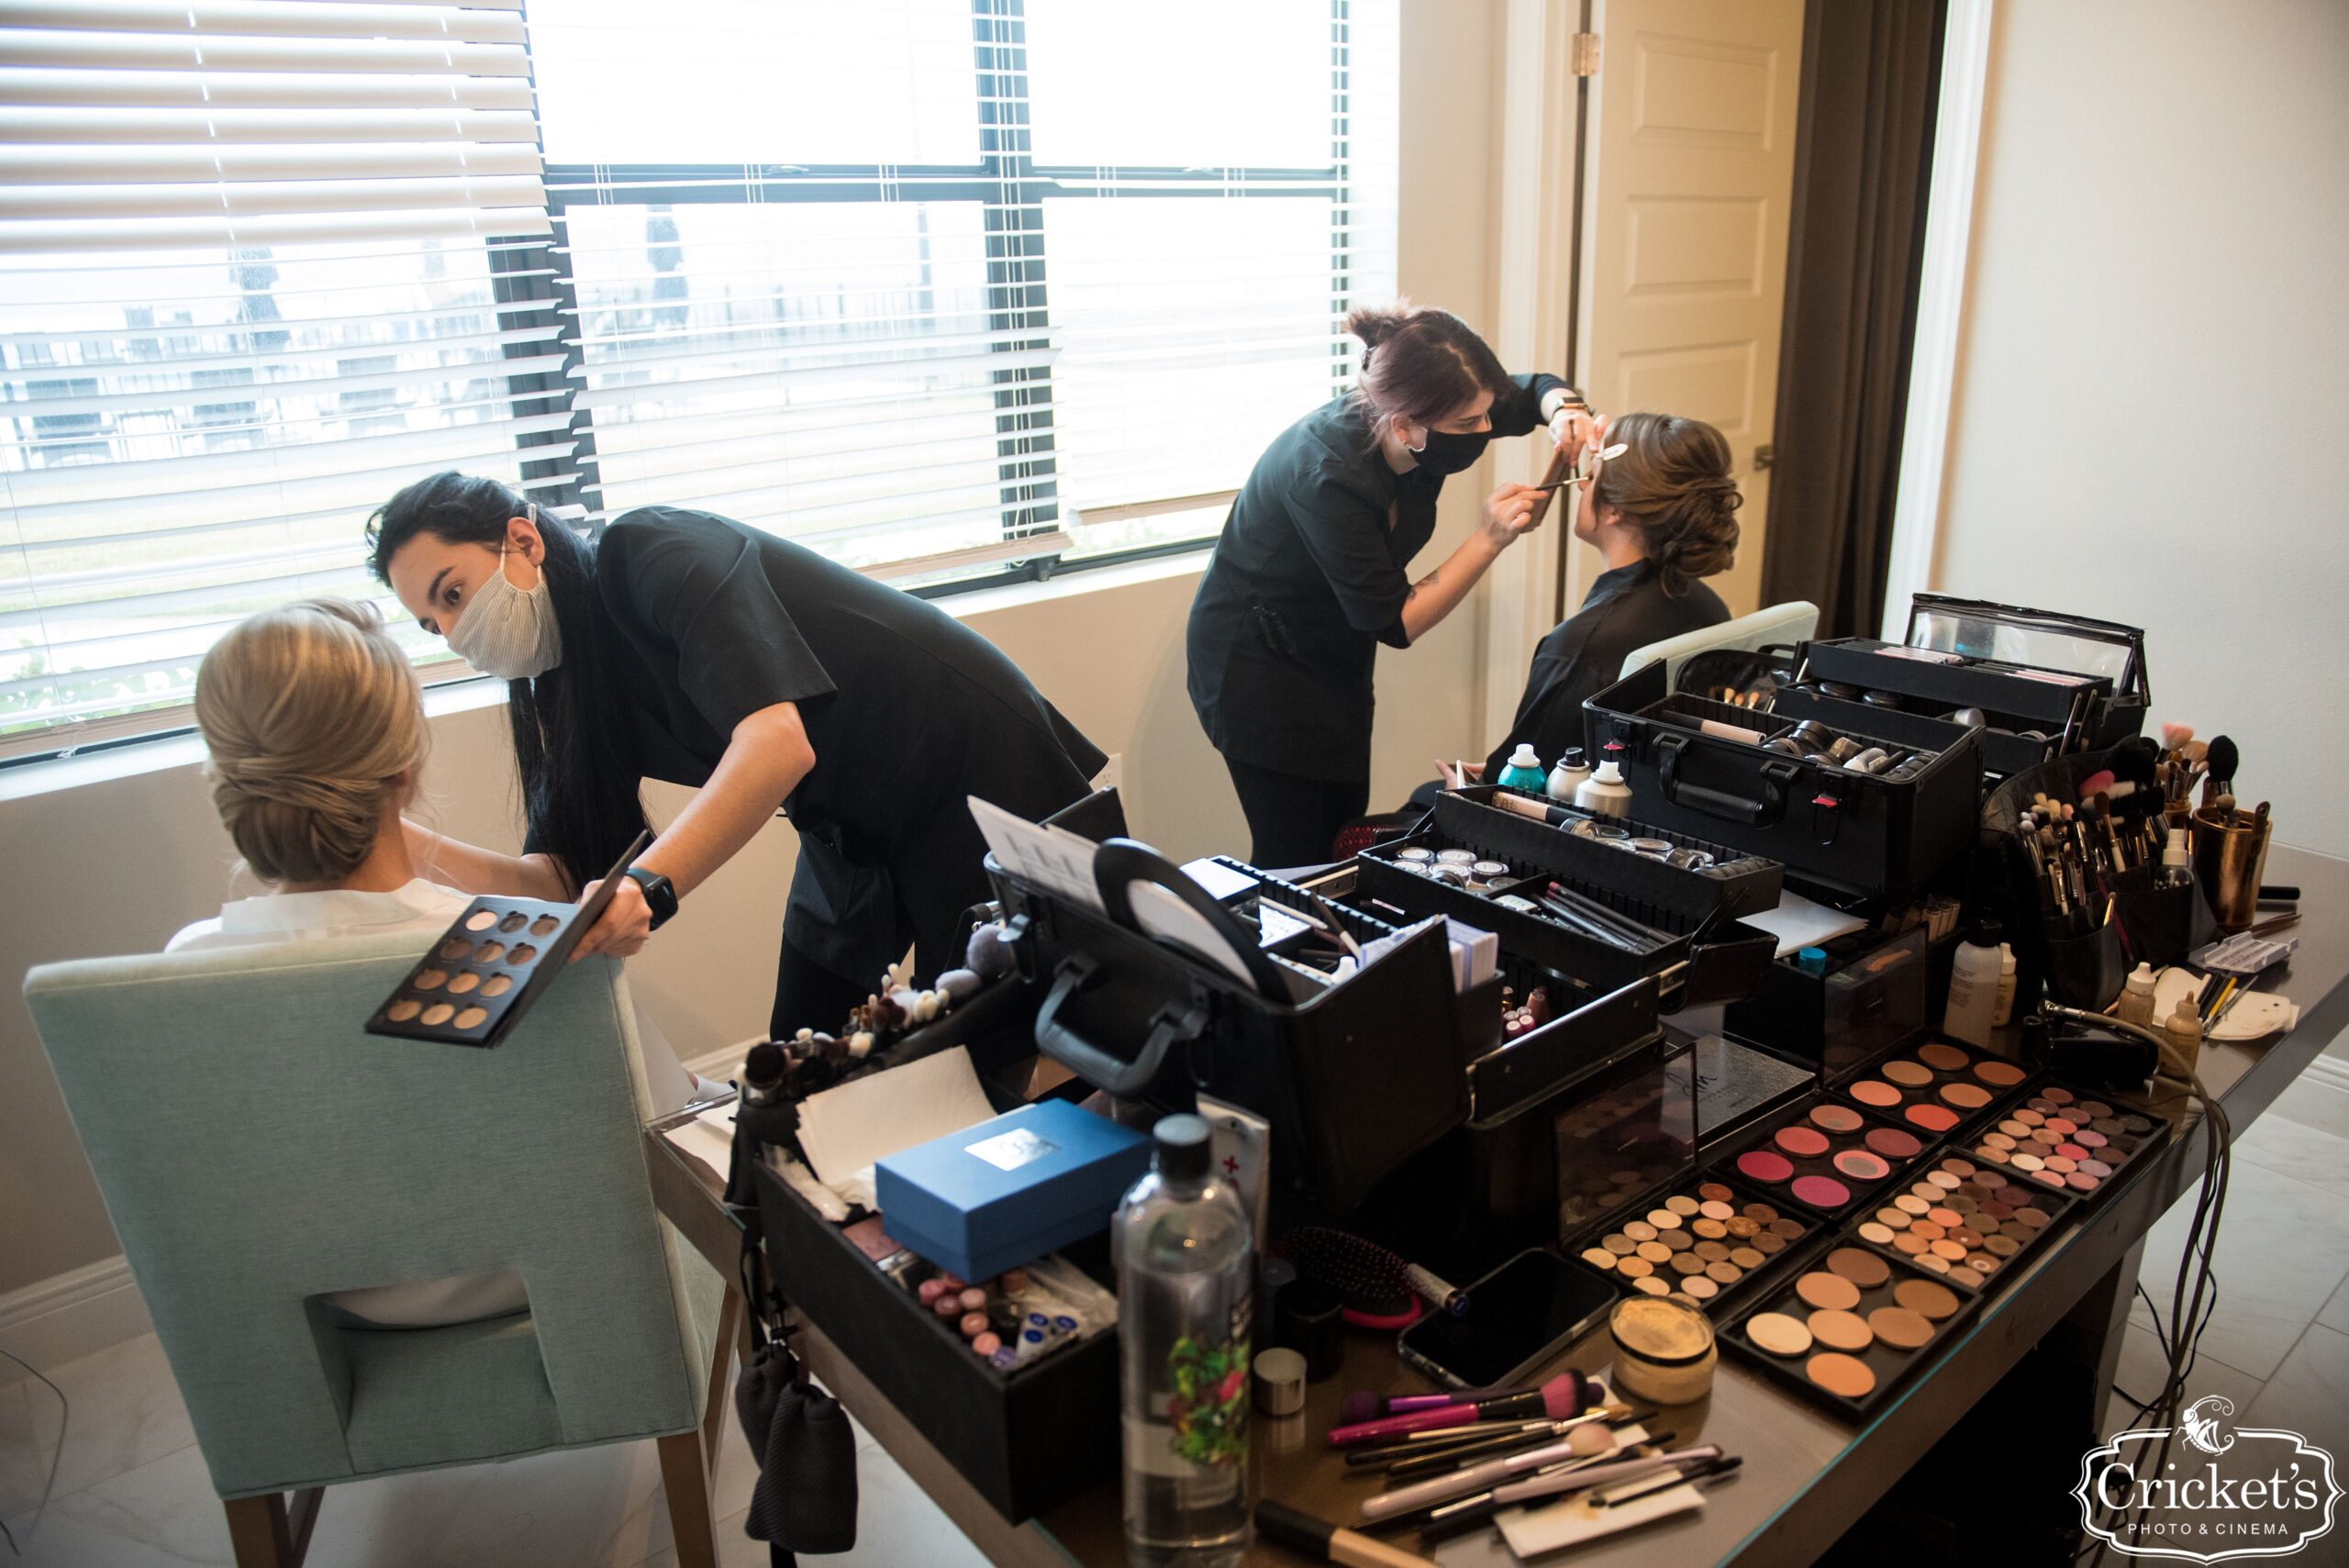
{"points": [[1322, 1541], [1568, 1394], [1468, 1513], [1592, 1451], [1411, 1465], [2222, 763], [1725, 1465]]}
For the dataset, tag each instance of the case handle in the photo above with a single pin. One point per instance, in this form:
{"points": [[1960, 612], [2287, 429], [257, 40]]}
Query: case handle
{"points": [[1089, 1061], [1762, 813]]}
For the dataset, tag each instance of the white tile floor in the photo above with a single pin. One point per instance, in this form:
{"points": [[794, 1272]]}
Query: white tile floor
{"points": [[132, 1492]]}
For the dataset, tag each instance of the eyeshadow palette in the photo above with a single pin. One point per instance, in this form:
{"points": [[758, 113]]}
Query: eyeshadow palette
{"points": [[1964, 1222], [1849, 1331], [1935, 1088], [2064, 1140], [1825, 1157], [1714, 1243], [482, 974]]}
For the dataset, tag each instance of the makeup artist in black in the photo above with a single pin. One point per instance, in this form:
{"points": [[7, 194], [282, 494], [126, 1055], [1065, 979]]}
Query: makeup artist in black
{"points": [[684, 647], [1309, 575], [1663, 512]]}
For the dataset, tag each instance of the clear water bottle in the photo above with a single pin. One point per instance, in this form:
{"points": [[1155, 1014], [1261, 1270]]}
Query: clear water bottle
{"points": [[1186, 1269]]}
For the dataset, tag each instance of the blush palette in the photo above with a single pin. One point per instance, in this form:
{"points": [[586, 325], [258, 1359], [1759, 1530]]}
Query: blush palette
{"points": [[1825, 1157], [1711, 1244], [474, 984], [1849, 1331], [1935, 1088], [2063, 1139], [1964, 1222]]}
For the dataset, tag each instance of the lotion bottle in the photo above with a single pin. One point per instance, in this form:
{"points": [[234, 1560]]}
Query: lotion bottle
{"points": [[1524, 770], [2137, 997], [1973, 986], [1604, 794], [1567, 776]]}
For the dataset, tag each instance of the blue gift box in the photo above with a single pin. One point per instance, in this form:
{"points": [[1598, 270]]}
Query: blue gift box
{"points": [[1006, 1192]]}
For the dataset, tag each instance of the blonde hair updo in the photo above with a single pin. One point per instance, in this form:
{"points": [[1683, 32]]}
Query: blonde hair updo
{"points": [[313, 720]]}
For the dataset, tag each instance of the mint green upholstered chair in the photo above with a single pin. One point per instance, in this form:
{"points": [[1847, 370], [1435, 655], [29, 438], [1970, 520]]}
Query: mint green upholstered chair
{"points": [[258, 1150]]}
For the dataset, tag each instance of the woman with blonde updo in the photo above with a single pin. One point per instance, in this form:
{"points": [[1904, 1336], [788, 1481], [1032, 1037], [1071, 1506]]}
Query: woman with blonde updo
{"points": [[315, 728], [1664, 514]]}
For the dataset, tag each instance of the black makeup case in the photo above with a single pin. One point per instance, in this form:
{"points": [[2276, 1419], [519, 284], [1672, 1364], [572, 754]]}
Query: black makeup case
{"points": [[1866, 833], [2049, 684], [1710, 956], [1354, 1077], [1026, 1439]]}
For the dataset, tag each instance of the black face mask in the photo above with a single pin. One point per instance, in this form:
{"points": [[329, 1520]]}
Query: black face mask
{"points": [[1445, 453]]}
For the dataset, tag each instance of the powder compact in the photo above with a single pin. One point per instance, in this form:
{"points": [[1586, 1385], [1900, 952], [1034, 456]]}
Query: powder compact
{"points": [[2064, 1139], [482, 974], [1849, 1331], [1664, 1350], [1969, 1223], [1712, 1245], [1825, 1156], [1934, 1089]]}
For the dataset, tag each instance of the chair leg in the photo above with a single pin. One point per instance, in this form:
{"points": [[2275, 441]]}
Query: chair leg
{"points": [[264, 1532], [721, 1361], [685, 1479]]}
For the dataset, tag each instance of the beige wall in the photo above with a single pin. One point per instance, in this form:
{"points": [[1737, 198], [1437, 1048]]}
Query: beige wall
{"points": [[2149, 425], [117, 865]]}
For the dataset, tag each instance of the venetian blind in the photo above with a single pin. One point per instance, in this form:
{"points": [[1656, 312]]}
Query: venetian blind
{"points": [[262, 262]]}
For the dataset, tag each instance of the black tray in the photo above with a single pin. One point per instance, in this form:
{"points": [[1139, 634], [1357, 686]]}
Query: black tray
{"points": [[1863, 832], [1862, 1191], [2136, 1133], [2014, 1242], [1964, 1078], [1893, 1368], [1726, 1297]]}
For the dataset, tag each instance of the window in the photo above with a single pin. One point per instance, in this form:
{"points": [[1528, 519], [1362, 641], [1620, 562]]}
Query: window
{"points": [[938, 287]]}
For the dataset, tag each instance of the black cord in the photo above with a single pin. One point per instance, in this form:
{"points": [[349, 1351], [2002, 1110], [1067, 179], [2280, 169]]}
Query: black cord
{"points": [[64, 1414]]}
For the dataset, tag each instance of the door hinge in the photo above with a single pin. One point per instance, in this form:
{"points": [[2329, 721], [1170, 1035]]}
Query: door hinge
{"points": [[1585, 54], [1763, 457]]}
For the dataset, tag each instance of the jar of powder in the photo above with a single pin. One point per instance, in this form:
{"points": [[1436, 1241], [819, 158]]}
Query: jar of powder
{"points": [[1664, 1350]]}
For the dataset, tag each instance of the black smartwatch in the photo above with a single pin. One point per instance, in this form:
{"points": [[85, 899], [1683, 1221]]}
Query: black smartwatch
{"points": [[659, 893]]}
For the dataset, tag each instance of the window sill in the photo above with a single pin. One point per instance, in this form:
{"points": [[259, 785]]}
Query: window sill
{"points": [[186, 750]]}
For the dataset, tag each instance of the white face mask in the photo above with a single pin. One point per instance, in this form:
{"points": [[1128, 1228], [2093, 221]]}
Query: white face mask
{"points": [[506, 631]]}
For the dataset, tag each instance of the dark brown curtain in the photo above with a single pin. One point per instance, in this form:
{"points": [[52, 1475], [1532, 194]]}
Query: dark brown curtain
{"points": [[1864, 151]]}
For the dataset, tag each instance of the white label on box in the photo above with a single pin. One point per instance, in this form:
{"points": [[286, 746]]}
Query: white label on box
{"points": [[1009, 1150]]}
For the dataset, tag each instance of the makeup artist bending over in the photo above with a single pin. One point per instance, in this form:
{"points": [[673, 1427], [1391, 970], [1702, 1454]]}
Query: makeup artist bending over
{"points": [[686, 646], [1664, 513], [1310, 574]]}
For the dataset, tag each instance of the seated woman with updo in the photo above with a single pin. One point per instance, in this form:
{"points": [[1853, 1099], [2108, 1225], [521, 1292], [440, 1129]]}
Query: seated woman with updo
{"points": [[1664, 514], [315, 726]]}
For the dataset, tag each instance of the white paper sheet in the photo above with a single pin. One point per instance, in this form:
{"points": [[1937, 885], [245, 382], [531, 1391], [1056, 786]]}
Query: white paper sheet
{"points": [[1799, 923], [708, 1138], [1051, 858], [844, 1131], [1535, 1530]]}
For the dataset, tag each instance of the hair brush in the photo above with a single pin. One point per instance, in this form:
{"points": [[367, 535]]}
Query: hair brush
{"points": [[1376, 1288]]}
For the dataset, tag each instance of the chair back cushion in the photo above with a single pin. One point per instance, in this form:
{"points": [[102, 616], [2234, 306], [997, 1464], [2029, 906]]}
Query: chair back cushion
{"points": [[258, 1150]]}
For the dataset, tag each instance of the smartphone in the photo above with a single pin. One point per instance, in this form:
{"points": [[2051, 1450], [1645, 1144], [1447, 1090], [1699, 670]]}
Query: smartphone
{"points": [[1518, 1317]]}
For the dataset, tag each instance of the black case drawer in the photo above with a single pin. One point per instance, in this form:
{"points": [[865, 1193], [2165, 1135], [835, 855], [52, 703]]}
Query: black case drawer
{"points": [[1027, 1439], [1856, 831]]}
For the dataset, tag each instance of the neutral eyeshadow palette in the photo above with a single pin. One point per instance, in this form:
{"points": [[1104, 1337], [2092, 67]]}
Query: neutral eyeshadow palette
{"points": [[1850, 1330], [477, 980], [1964, 1222], [1714, 1243], [2058, 1139], [1935, 1088], [1824, 1156]]}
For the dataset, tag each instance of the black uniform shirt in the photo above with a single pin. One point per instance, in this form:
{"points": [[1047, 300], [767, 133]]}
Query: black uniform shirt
{"points": [[1625, 610], [907, 710], [1309, 577]]}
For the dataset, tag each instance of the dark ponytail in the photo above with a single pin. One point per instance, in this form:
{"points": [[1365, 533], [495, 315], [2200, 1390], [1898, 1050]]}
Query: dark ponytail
{"points": [[579, 774], [1419, 363]]}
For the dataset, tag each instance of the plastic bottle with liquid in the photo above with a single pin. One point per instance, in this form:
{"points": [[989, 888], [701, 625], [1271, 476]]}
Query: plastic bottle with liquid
{"points": [[2004, 1013], [1186, 1269], [1604, 794], [2137, 997], [2183, 1028], [1524, 770], [1973, 986], [1567, 776]]}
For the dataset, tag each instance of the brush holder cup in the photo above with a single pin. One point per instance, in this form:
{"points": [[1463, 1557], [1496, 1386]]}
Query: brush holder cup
{"points": [[2230, 855]]}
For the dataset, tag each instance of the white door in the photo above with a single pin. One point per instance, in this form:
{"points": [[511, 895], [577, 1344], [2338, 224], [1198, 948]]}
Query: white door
{"points": [[1691, 151]]}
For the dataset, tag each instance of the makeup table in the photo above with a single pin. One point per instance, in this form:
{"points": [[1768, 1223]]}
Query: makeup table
{"points": [[1807, 1477]]}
